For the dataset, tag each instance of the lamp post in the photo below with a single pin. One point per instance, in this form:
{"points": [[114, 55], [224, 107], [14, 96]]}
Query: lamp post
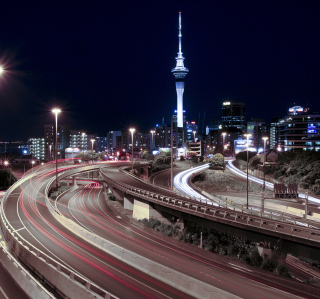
{"points": [[32, 162], [50, 157], [194, 135], [264, 162], [247, 135], [6, 164], [152, 132], [132, 130], [223, 136], [92, 142], [82, 145], [56, 111]]}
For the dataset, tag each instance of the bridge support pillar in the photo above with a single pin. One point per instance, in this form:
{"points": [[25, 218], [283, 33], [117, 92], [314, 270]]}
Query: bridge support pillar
{"points": [[74, 181], [143, 209], [128, 201]]}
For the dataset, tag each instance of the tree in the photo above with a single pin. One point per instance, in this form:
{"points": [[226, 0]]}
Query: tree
{"points": [[7, 178], [254, 162], [90, 155], [217, 161]]}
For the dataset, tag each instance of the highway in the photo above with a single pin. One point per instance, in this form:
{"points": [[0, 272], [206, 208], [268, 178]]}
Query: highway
{"points": [[87, 207], [26, 210]]}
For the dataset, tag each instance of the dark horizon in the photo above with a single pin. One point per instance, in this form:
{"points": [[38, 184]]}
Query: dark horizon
{"points": [[108, 65]]}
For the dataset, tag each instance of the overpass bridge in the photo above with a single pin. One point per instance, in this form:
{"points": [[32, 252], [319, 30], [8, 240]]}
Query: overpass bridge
{"points": [[146, 200]]}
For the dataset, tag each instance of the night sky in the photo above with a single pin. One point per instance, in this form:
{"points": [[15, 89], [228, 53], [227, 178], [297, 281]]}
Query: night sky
{"points": [[108, 64]]}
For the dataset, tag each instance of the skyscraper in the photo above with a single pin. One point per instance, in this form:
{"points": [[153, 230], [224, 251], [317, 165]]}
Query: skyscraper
{"points": [[180, 71]]}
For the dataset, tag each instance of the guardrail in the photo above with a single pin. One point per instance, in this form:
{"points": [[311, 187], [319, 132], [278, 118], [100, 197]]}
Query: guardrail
{"points": [[206, 209], [122, 169], [55, 274], [228, 204]]}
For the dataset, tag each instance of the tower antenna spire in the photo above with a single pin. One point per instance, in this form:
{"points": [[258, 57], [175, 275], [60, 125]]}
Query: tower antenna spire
{"points": [[180, 35], [180, 71]]}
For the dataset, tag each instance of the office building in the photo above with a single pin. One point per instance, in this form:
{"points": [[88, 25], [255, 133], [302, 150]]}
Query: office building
{"points": [[233, 115], [36, 148]]}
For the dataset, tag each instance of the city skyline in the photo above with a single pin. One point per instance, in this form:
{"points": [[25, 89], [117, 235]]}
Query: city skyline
{"points": [[94, 62]]}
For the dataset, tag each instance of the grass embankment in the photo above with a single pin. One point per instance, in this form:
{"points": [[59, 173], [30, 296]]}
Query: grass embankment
{"points": [[221, 243], [216, 180]]}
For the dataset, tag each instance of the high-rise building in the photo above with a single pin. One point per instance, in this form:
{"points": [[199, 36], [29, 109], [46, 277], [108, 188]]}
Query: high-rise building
{"points": [[36, 148], [78, 139], [180, 71], [112, 141], [258, 129], [273, 133], [233, 115], [63, 141], [300, 130], [102, 144]]}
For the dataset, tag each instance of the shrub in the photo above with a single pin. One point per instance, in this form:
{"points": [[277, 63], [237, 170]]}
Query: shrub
{"points": [[269, 264], [283, 271], [112, 197]]}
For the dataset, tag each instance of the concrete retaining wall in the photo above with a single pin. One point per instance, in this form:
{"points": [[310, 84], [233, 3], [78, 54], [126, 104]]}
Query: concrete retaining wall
{"points": [[174, 278], [31, 286]]}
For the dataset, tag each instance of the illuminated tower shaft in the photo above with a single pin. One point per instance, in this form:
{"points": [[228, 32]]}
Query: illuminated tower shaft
{"points": [[180, 71]]}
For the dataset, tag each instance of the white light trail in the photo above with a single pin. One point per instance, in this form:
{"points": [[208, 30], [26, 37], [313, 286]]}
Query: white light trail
{"points": [[238, 172], [181, 183]]}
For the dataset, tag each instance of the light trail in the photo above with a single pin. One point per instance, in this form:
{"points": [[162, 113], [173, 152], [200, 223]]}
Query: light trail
{"points": [[181, 182], [238, 172]]}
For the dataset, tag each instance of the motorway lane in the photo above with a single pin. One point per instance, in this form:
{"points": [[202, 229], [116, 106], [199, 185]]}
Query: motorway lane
{"points": [[109, 273], [89, 208]]}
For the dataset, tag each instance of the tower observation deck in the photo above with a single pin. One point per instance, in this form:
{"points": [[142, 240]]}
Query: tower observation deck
{"points": [[180, 71]]}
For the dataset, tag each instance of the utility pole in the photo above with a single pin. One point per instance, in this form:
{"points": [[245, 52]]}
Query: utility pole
{"points": [[171, 153]]}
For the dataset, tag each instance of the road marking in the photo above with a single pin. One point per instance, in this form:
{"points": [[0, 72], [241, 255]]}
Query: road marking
{"points": [[4, 294], [240, 268], [118, 217], [19, 229]]}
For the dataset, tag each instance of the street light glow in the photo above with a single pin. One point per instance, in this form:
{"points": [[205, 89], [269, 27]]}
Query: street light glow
{"points": [[132, 130], [1, 70], [56, 110], [6, 163]]}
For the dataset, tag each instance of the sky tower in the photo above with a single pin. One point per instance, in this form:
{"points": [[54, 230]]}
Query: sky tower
{"points": [[180, 71]]}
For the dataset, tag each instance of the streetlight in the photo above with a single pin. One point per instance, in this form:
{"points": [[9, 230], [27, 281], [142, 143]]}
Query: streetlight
{"points": [[223, 136], [152, 132], [92, 142], [1, 70], [264, 162], [6, 164], [32, 162], [82, 145], [194, 135], [132, 130], [248, 136], [50, 146], [56, 111]]}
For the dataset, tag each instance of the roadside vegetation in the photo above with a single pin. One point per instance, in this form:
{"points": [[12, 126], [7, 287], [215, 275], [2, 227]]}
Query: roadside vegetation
{"points": [[161, 163], [63, 187], [223, 244], [215, 180], [300, 167], [7, 178]]}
